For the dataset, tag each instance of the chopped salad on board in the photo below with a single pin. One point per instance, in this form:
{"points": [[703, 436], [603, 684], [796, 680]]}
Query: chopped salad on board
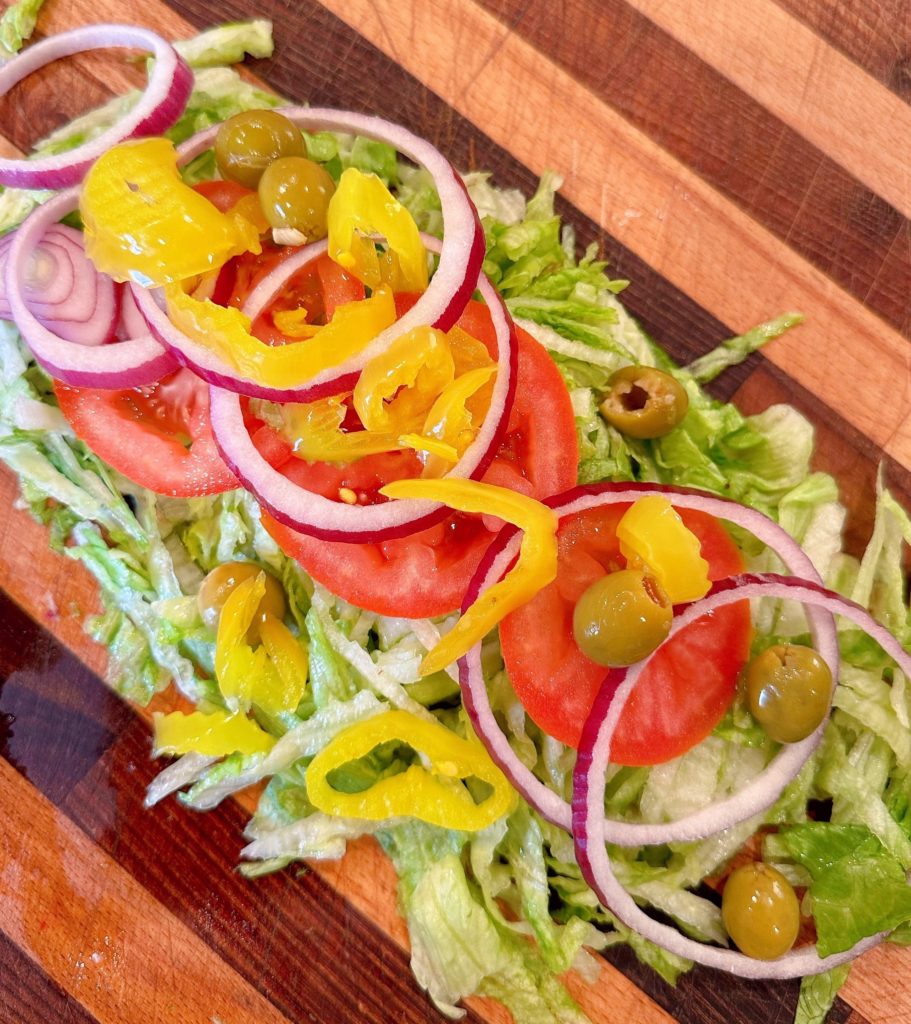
{"points": [[431, 542]]}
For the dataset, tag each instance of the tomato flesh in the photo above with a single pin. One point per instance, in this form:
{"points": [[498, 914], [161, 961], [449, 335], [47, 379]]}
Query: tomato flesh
{"points": [[427, 573], [688, 685], [158, 436]]}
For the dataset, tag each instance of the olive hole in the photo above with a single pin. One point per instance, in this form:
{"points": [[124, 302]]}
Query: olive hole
{"points": [[654, 591], [634, 399]]}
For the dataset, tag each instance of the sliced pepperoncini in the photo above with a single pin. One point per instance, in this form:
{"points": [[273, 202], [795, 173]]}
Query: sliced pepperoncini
{"points": [[435, 793], [144, 223], [652, 535], [226, 331], [535, 568], [272, 676], [395, 390], [314, 430], [362, 205], [450, 421], [215, 734]]}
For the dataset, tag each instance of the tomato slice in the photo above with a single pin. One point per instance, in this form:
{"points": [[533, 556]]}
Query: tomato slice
{"points": [[427, 573], [687, 687], [158, 436]]}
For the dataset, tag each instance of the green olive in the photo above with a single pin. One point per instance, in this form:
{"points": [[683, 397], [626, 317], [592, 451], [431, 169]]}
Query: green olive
{"points": [[247, 143], [643, 402], [294, 193], [220, 583], [760, 911], [789, 688], [621, 618]]}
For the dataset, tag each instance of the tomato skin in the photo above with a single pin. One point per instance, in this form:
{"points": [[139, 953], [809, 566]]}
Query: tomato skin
{"points": [[688, 685], [222, 194], [426, 574], [141, 432]]}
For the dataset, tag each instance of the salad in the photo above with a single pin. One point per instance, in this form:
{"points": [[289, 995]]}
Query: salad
{"points": [[450, 553]]}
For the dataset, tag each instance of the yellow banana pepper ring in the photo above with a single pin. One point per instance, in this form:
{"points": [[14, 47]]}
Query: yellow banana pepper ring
{"points": [[362, 205], [449, 420], [652, 534], [408, 376], [274, 675], [436, 794], [431, 447], [227, 332], [144, 223], [535, 568], [314, 431], [216, 734]]}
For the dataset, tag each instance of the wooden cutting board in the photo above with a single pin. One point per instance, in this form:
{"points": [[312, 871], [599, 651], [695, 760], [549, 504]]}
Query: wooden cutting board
{"points": [[734, 159]]}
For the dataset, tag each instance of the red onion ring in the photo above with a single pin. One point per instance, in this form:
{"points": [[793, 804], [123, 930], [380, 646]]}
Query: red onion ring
{"points": [[441, 305], [130, 323], [161, 104], [63, 289], [590, 831], [333, 520], [126, 364], [207, 364], [778, 772]]}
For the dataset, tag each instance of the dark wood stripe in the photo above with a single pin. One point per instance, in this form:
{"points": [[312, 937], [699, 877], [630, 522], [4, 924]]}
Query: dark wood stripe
{"points": [[29, 996], [877, 36], [56, 719], [735, 144]]}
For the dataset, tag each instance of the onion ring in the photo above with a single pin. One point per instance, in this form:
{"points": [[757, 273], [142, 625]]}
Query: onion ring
{"points": [[591, 835], [207, 364], [125, 364], [64, 291], [502, 551], [441, 305], [161, 104], [333, 520]]}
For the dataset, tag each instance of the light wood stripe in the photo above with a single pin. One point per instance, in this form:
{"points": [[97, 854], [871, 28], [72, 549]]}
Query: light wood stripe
{"points": [[99, 934], [651, 203], [811, 86]]}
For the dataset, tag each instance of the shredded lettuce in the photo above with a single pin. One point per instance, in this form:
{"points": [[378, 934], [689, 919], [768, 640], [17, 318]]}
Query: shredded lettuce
{"points": [[16, 26], [228, 44]]}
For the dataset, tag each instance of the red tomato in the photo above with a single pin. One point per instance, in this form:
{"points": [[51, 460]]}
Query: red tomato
{"points": [[687, 687], [427, 573], [222, 194], [158, 436], [320, 288]]}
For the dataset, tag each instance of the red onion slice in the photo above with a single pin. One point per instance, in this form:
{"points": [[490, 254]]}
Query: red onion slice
{"points": [[441, 305], [592, 832], [333, 520], [780, 770], [63, 290], [161, 104], [208, 365], [125, 364]]}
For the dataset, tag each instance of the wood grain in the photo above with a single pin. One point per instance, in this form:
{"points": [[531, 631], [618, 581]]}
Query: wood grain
{"points": [[733, 142], [809, 85], [725, 201]]}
